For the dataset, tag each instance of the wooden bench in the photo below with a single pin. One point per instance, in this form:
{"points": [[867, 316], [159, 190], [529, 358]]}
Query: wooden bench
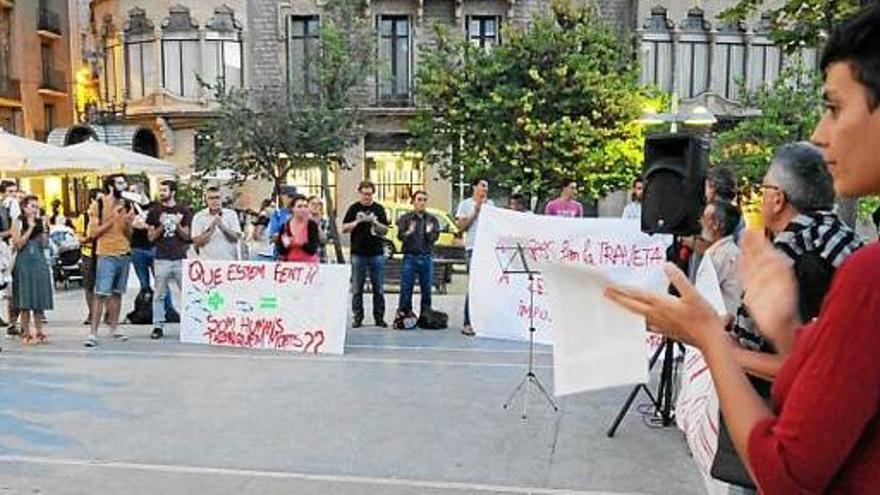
{"points": [[442, 273]]}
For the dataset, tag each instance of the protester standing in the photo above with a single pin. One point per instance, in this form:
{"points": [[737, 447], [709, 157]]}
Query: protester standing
{"points": [[819, 433], [7, 189], [216, 230], [300, 237], [718, 222], [143, 251], [466, 218], [32, 281], [633, 209], [169, 229], [277, 220], [517, 202], [317, 208], [110, 222], [418, 230], [565, 205], [367, 223]]}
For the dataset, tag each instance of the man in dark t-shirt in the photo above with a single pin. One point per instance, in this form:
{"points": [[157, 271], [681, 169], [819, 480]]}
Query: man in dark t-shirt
{"points": [[168, 224], [367, 223], [142, 247]]}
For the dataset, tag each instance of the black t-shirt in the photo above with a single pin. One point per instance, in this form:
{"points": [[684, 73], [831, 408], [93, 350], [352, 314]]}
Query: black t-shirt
{"points": [[169, 245], [363, 242]]}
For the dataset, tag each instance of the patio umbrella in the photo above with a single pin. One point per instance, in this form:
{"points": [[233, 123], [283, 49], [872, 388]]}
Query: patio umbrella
{"points": [[22, 157], [123, 160]]}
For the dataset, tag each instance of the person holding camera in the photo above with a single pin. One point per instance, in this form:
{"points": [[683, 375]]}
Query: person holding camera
{"points": [[32, 282], [110, 220], [367, 223], [169, 229]]}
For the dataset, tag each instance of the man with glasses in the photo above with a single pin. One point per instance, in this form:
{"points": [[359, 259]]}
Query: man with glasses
{"points": [[367, 223], [216, 230], [798, 196], [565, 205]]}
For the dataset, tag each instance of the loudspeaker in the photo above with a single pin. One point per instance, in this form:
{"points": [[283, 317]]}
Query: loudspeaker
{"points": [[674, 173]]}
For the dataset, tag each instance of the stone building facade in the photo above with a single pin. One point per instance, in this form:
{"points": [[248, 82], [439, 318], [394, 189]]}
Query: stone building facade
{"points": [[36, 84], [145, 53]]}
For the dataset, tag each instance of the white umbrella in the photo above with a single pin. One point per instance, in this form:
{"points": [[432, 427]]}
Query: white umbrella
{"points": [[123, 160], [21, 156]]}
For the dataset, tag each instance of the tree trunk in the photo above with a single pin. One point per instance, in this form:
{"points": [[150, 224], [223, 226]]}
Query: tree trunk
{"points": [[331, 210]]}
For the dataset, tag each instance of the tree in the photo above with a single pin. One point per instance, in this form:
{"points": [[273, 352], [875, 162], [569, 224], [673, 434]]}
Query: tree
{"points": [[797, 23], [802, 23], [265, 133], [557, 101], [790, 109]]}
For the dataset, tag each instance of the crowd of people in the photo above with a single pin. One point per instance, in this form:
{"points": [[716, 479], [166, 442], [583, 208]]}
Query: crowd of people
{"points": [[794, 359]]}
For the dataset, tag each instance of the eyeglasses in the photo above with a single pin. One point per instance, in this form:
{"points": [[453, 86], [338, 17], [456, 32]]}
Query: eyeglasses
{"points": [[773, 187]]}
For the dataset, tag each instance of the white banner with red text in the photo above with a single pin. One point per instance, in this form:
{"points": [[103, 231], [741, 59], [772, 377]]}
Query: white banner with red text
{"points": [[299, 307], [585, 254]]}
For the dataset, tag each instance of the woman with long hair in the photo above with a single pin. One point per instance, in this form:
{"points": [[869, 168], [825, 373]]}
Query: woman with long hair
{"points": [[299, 239], [31, 279]]}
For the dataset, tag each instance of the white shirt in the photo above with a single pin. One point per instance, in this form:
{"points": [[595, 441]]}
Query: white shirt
{"points": [[633, 211], [466, 209], [218, 247]]}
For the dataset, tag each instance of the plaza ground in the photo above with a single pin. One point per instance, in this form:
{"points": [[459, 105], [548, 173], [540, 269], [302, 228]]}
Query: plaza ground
{"points": [[400, 413]]}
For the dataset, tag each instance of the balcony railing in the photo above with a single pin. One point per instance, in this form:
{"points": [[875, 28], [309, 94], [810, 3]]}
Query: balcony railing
{"points": [[54, 80], [10, 88], [49, 21]]}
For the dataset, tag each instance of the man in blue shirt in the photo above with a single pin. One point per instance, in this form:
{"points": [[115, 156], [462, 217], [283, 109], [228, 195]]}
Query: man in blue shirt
{"points": [[280, 216]]}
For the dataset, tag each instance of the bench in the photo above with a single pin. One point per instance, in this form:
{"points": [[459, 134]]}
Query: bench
{"points": [[442, 273]]}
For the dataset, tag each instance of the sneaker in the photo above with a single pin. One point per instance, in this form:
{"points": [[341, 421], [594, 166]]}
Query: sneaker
{"points": [[381, 324], [468, 331], [157, 334], [12, 330], [91, 341], [120, 336]]}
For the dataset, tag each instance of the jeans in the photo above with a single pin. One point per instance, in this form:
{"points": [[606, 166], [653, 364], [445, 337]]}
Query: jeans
{"points": [[142, 259], [375, 265], [467, 297], [111, 275], [421, 266], [166, 272]]}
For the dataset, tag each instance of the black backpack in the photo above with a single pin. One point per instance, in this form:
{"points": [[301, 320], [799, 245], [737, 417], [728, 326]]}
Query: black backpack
{"points": [[433, 320], [143, 308]]}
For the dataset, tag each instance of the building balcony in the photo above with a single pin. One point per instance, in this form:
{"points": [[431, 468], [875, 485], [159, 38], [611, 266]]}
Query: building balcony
{"points": [[54, 83], [48, 23], [10, 89]]}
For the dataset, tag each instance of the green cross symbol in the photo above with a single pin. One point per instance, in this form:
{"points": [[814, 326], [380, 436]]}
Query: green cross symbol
{"points": [[215, 301], [268, 302]]}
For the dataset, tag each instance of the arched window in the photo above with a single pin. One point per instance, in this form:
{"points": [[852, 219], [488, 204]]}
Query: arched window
{"points": [[180, 53], [141, 71], [222, 55]]}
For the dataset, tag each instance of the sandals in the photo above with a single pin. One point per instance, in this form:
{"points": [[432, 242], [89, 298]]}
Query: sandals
{"points": [[42, 338], [37, 339]]}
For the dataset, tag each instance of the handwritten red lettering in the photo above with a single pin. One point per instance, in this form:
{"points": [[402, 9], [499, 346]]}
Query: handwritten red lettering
{"points": [[200, 274]]}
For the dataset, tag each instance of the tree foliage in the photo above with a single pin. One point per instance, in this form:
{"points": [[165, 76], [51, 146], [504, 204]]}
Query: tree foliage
{"points": [[265, 133], [790, 109], [557, 101], [797, 23]]}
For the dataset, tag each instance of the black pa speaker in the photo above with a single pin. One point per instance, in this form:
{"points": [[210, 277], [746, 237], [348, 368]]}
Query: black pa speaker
{"points": [[674, 173]]}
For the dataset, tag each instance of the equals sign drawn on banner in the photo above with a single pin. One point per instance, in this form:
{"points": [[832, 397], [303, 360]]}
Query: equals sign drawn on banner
{"points": [[268, 302]]}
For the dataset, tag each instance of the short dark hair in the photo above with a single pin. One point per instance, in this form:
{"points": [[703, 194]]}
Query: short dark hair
{"points": [[172, 184], [416, 193], [637, 180], [298, 197], [211, 189], [566, 182], [727, 215], [5, 185], [516, 197], [366, 184], [476, 181], [856, 41], [93, 193], [724, 180]]}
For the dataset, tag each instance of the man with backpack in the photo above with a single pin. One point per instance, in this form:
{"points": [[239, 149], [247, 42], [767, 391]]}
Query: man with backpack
{"points": [[110, 220], [418, 230]]}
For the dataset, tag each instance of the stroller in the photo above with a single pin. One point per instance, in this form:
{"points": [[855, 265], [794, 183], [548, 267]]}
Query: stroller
{"points": [[65, 253]]}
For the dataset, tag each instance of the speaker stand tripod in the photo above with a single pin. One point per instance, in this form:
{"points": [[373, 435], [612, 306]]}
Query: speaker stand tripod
{"points": [[530, 379]]}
